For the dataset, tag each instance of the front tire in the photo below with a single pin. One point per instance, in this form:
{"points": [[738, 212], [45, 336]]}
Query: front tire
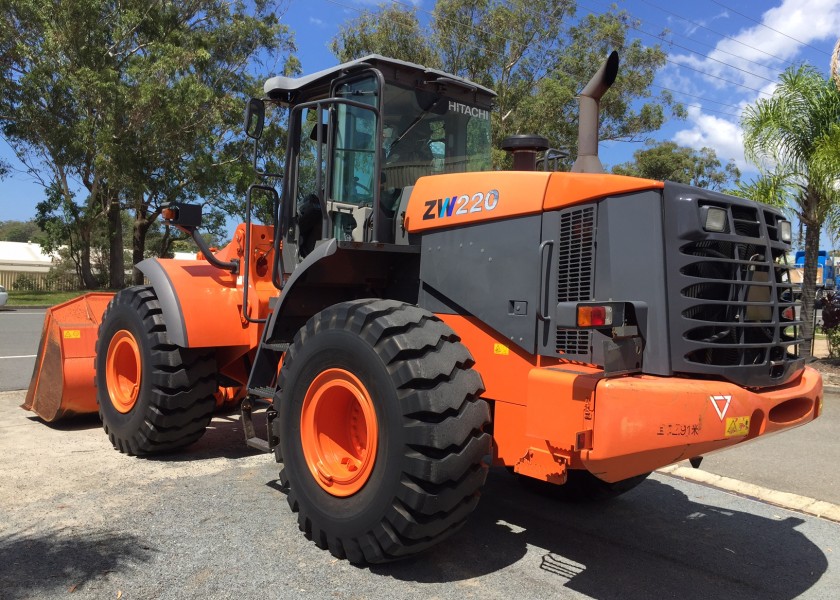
{"points": [[153, 396], [381, 430]]}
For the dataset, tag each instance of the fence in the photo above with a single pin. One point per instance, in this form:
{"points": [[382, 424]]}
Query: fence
{"points": [[14, 280]]}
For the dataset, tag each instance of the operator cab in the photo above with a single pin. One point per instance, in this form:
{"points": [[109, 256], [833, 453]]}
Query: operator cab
{"points": [[360, 135]]}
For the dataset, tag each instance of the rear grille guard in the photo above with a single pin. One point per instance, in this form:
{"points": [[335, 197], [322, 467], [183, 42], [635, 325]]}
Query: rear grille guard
{"points": [[732, 300]]}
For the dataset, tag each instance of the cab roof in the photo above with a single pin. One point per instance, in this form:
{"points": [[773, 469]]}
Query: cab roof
{"points": [[292, 89]]}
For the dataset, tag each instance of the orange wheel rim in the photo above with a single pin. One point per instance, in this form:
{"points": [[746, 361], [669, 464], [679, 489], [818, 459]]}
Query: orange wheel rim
{"points": [[123, 371], [338, 430]]}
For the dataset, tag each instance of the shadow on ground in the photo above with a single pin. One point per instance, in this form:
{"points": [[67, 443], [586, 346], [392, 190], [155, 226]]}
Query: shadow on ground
{"points": [[224, 438], [652, 542], [39, 564]]}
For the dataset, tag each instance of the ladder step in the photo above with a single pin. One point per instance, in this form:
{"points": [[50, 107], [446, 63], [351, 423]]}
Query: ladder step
{"points": [[276, 346], [266, 444], [262, 392], [258, 444]]}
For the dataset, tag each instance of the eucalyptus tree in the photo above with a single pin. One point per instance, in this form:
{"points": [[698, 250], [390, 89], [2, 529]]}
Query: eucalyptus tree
{"points": [[126, 105], [536, 54], [668, 161]]}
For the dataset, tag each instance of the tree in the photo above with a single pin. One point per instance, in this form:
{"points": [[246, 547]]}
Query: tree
{"points": [[668, 161], [535, 53], [793, 137], [129, 105], [21, 231]]}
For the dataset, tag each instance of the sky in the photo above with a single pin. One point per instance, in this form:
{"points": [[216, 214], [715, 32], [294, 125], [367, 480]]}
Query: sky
{"points": [[721, 56]]}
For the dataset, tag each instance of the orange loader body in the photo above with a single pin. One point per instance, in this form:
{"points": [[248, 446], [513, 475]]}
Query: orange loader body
{"points": [[580, 328], [550, 415]]}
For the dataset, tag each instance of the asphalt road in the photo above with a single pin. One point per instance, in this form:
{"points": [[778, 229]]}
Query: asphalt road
{"points": [[20, 332], [211, 522]]}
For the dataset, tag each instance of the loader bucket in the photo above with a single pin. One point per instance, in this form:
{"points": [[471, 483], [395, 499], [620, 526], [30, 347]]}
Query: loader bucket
{"points": [[62, 381]]}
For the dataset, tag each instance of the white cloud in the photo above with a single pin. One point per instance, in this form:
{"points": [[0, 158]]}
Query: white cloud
{"points": [[757, 54], [807, 21], [725, 137]]}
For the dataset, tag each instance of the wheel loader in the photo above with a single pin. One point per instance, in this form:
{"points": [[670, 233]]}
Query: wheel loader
{"points": [[412, 316]]}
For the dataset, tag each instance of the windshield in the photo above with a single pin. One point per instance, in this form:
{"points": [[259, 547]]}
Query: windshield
{"points": [[428, 134]]}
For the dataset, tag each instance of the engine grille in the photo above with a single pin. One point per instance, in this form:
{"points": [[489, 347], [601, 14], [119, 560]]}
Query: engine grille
{"points": [[575, 273], [735, 313]]}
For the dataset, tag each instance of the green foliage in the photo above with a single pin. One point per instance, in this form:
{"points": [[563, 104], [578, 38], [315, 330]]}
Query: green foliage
{"points": [[768, 188], [128, 105], [536, 54], [831, 323], [24, 283], [21, 231], [666, 161]]}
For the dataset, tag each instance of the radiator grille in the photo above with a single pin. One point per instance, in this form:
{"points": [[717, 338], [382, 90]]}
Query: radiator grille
{"points": [[575, 271]]}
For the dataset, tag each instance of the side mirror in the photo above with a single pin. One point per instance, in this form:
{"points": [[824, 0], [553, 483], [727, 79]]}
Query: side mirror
{"points": [[183, 214], [254, 118]]}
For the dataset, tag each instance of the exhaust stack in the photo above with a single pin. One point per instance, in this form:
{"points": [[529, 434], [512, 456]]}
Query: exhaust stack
{"points": [[590, 99]]}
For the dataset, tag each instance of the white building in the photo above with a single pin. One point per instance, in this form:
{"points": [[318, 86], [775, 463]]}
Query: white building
{"points": [[19, 258]]}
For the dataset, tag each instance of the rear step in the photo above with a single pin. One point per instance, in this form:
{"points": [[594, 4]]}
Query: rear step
{"points": [[259, 396]]}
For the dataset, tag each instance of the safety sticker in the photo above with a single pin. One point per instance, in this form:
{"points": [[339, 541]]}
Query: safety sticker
{"points": [[737, 426], [501, 349], [72, 334], [721, 404]]}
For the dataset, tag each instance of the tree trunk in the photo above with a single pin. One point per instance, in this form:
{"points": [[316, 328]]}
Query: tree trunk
{"points": [[116, 260], [88, 280], [138, 246], [809, 281]]}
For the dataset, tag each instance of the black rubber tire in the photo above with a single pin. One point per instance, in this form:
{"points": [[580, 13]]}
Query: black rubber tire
{"points": [[429, 465], [583, 486], [177, 385]]}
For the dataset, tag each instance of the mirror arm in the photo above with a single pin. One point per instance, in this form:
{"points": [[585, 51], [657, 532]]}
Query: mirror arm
{"points": [[232, 266]]}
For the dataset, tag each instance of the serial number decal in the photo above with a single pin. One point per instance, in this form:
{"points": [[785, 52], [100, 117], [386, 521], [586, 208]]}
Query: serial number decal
{"points": [[461, 204], [737, 426], [680, 429]]}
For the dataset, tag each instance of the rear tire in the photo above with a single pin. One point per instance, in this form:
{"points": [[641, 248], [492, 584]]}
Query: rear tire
{"points": [[387, 388], [153, 396]]}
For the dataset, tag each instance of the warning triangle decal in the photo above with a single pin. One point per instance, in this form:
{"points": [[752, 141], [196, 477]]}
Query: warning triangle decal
{"points": [[721, 404]]}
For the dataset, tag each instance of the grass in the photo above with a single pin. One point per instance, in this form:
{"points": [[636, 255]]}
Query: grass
{"points": [[19, 298]]}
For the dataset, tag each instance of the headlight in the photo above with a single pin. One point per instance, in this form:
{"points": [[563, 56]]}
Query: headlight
{"points": [[715, 219], [784, 231]]}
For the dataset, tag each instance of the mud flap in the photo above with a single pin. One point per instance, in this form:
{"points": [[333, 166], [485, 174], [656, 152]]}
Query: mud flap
{"points": [[62, 382]]}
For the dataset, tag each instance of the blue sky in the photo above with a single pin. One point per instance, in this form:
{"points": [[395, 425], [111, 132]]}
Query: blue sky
{"points": [[722, 56]]}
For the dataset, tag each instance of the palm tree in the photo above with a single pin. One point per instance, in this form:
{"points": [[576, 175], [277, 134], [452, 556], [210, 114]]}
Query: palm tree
{"points": [[793, 138]]}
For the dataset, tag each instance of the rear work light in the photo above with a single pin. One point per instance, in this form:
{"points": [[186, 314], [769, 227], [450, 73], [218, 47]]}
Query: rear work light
{"points": [[784, 231], [714, 219], [594, 316]]}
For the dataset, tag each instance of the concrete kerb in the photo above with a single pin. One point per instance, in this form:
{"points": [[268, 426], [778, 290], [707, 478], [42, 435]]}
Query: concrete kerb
{"points": [[803, 504]]}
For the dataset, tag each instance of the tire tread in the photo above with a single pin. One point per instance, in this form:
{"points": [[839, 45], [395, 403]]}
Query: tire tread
{"points": [[444, 418]]}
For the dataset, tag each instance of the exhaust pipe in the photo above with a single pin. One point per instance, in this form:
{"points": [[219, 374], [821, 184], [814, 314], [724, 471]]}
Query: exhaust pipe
{"points": [[590, 99]]}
